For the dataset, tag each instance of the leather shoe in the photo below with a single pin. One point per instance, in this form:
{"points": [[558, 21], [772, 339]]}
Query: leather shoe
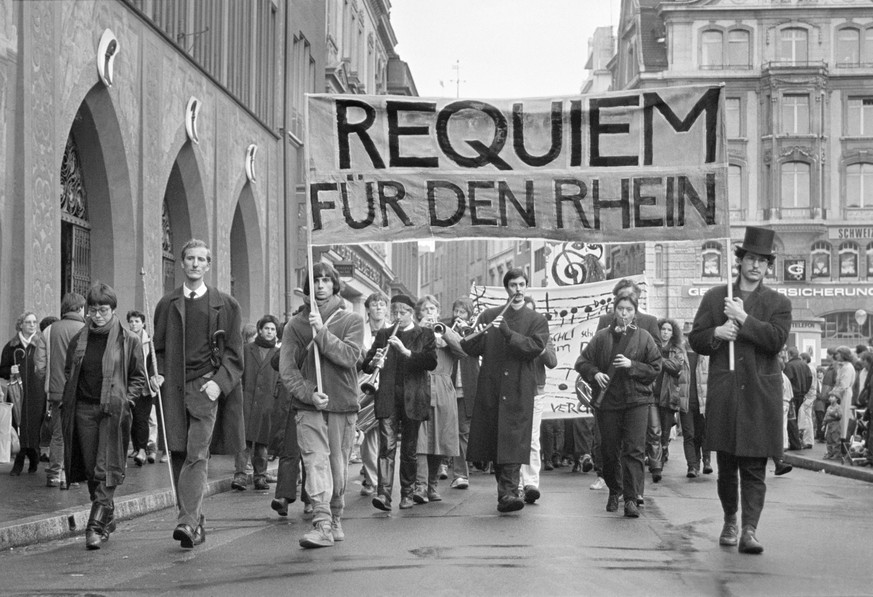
{"points": [[261, 485], [280, 505], [656, 476], [189, 537], [748, 541], [381, 502], [510, 504], [612, 503], [239, 483], [783, 468], [630, 509], [531, 494], [728, 533]]}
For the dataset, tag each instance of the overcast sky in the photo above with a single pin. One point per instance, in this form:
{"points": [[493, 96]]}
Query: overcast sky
{"points": [[505, 48]]}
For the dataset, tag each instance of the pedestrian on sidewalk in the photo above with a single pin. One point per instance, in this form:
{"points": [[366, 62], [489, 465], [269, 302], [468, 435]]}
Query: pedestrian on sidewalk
{"points": [[376, 306], [671, 386], [198, 345], [141, 411], [326, 413], [106, 377], [404, 353], [511, 339], [832, 427], [258, 383], [51, 360], [465, 377], [743, 405], [18, 365]]}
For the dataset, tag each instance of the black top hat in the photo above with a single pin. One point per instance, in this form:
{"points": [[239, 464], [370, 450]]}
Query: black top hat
{"points": [[758, 241]]}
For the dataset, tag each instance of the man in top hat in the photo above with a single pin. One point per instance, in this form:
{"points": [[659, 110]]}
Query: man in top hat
{"points": [[744, 406], [404, 352]]}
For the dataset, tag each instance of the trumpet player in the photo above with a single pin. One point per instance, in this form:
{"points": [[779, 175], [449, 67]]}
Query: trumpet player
{"points": [[438, 435], [377, 318], [509, 341], [404, 353], [465, 376]]}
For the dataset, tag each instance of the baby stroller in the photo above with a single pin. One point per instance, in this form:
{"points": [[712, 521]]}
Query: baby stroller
{"points": [[855, 449]]}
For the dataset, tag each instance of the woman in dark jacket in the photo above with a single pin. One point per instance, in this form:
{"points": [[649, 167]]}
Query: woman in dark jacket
{"points": [[620, 364], [105, 376], [259, 382], [671, 387], [18, 362]]}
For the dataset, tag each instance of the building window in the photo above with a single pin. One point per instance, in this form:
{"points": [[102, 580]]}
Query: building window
{"points": [[711, 49], [711, 260], [848, 256], [820, 258], [848, 47], [795, 114], [859, 185], [859, 117], [733, 119], [739, 54], [843, 325], [540, 259], [735, 187], [867, 48], [795, 184], [870, 261], [794, 46]]}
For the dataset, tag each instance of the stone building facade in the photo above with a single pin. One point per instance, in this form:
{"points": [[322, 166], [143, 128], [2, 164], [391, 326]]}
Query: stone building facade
{"points": [[798, 82]]}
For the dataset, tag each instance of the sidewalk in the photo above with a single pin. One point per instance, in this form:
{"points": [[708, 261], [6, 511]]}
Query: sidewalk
{"points": [[31, 513], [813, 459]]}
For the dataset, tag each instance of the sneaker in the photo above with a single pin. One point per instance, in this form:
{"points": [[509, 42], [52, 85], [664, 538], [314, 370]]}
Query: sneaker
{"points": [[380, 502], [531, 494], [165, 457], [308, 508], [443, 472], [460, 483], [239, 482], [336, 527], [418, 497], [587, 463], [367, 490], [692, 473], [600, 483], [406, 502], [261, 484], [510, 504], [612, 502], [434, 496], [630, 509], [52, 482], [321, 535], [707, 467]]}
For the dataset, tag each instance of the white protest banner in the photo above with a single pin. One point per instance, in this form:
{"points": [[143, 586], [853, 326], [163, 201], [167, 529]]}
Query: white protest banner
{"points": [[628, 166], [572, 313]]}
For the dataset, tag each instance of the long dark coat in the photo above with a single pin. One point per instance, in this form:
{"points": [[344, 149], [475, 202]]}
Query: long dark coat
{"points": [[503, 413], [744, 406], [416, 385], [228, 436], [128, 384], [259, 385], [33, 390]]}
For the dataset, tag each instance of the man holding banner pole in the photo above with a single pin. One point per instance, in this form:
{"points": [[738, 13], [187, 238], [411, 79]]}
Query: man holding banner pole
{"points": [[744, 406], [509, 340]]}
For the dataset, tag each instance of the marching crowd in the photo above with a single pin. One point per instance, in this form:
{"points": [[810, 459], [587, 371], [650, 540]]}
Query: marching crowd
{"points": [[448, 391]]}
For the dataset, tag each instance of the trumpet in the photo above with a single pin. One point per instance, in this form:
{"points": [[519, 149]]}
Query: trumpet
{"points": [[370, 385], [462, 328]]}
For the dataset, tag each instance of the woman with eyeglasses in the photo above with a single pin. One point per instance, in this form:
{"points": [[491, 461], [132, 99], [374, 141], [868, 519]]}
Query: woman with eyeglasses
{"points": [[17, 362], [105, 376]]}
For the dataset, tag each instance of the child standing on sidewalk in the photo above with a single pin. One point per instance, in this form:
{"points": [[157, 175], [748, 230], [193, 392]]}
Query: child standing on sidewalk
{"points": [[831, 427]]}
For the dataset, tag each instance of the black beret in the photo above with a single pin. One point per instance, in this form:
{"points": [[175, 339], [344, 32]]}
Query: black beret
{"points": [[402, 298]]}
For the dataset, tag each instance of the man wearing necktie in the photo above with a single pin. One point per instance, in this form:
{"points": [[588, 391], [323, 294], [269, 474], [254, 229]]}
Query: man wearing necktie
{"points": [[198, 344]]}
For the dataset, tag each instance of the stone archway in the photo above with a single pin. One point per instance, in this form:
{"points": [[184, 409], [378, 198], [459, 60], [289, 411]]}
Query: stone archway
{"points": [[247, 257], [183, 214], [98, 241]]}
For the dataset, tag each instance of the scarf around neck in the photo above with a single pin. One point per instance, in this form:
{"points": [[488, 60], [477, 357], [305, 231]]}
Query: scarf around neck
{"points": [[110, 355], [264, 343]]}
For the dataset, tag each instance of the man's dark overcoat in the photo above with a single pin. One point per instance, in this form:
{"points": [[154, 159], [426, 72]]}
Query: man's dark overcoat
{"points": [[744, 407], [259, 387], [503, 412], [228, 436]]}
